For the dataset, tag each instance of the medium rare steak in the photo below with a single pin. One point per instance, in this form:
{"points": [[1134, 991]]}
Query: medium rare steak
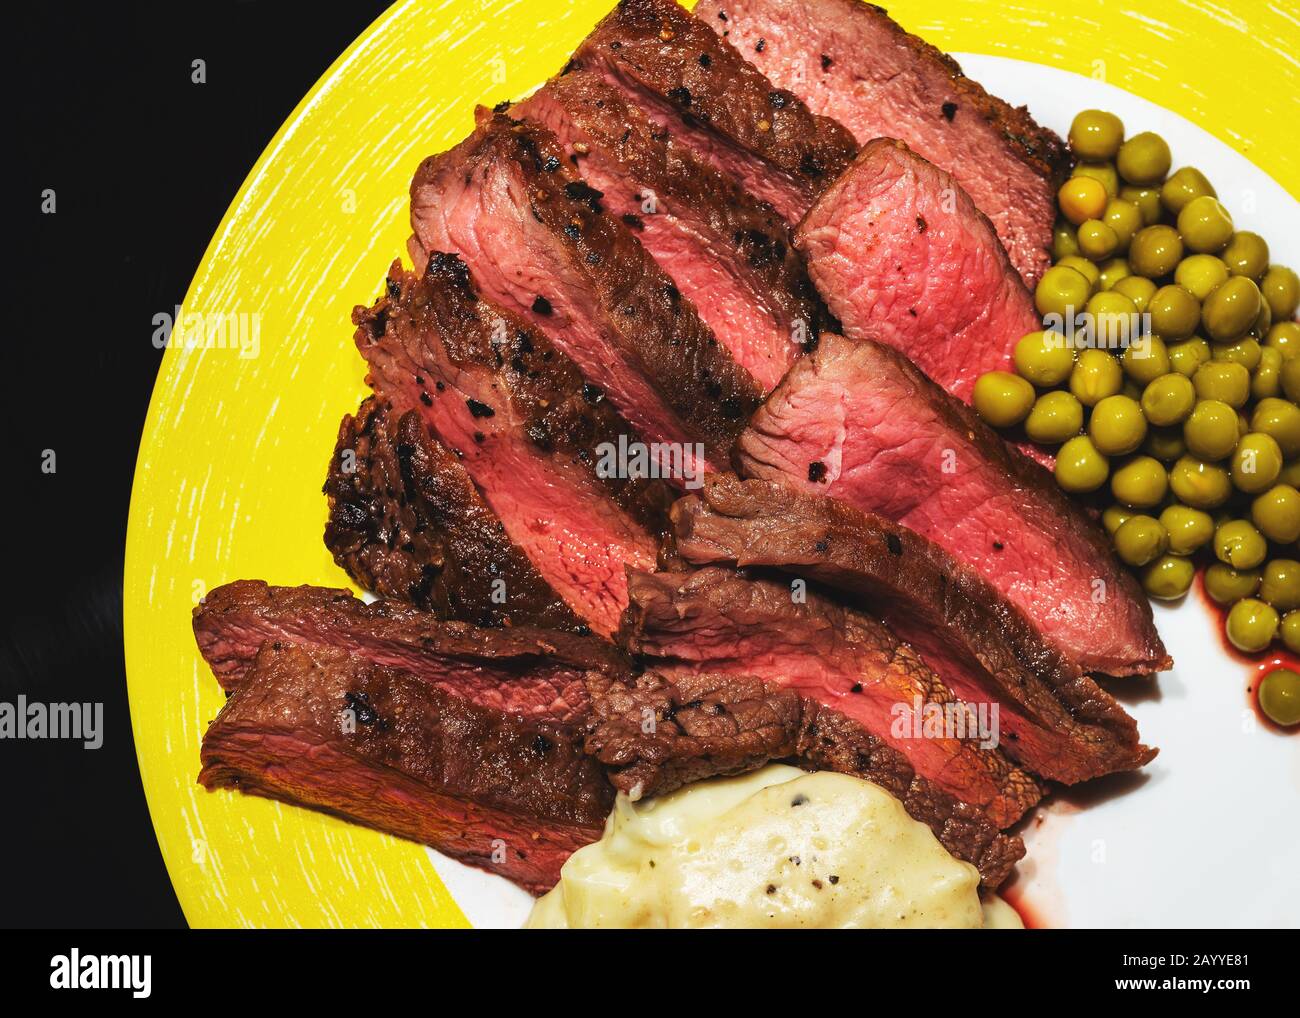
{"points": [[519, 670], [406, 522], [525, 426], [706, 725], [848, 60], [379, 746], [718, 622], [858, 422], [712, 99], [729, 253], [1054, 720], [539, 242], [901, 255]]}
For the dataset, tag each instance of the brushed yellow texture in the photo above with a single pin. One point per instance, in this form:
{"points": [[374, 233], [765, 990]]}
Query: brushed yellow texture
{"points": [[235, 447]]}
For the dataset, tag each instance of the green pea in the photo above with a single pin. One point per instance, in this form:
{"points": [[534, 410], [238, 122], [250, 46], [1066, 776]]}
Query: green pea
{"points": [[1256, 463], [1168, 578], [1138, 289], [1231, 309], [1125, 219], [1168, 399], [1044, 358], [1064, 241], [1097, 240], [1189, 529], [1284, 337], [1117, 426], [1211, 430], [1280, 585], [1223, 380], [1062, 291], [1165, 444], [1141, 482], [1205, 225], [1175, 312], [1112, 271], [1245, 351], [1291, 378], [1140, 539], [1001, 398], [1279, 695], [1144, 159], [1226, 585], [1281, 289], [1291, 631], [1055, 417], [1113, 319], [1252, 624], [1280, 419], [1276, 513], [1146, 359], [1237, 543], [1080, 467], [1103, 173], [1199, 484], [1199, 274], [1096, 134], [1096, 375], [1155, 251], [1182, 186], [1113, 516], [1087, 269], [1187, 356], [1147, 200], [1266, 382], [1246, 254]]}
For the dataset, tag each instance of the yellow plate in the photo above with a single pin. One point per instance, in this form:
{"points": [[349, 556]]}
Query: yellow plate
{"points": [[238, 436]]}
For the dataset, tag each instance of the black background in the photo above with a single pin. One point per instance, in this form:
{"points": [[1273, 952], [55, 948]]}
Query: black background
{"points": [[144, 163]]}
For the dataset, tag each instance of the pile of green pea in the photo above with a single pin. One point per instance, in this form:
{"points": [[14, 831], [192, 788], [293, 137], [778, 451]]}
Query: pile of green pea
{"points": [[1195, 425]]}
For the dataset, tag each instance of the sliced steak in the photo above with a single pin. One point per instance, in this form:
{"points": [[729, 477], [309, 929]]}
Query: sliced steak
{"points": [[705, 725], [540, 244], [717, 621], [518, 670], [406, 522], [901, 255], [1053, 719], [848, 60], [711, 98], [729, 253], [858, 422], [538, 441], [379, 746]]}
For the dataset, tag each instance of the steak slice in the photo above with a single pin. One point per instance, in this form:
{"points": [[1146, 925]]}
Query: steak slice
{"points": [[382, 747], [1054, 720], [406, 522], [534, 436], [706, 725], [521, 670], [718, 622], [902, 256], [539, 243], [730, 254], [850, 61], [859, 422], [705, 92]]}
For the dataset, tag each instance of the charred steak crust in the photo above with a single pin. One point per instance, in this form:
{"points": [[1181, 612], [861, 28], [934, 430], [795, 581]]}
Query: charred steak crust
{"points": [[925, 595], [560, 411], [1127, 644], [406, 522], [1009, 163], [651, 328], [234, 620], [716, 620], [708, 725], [378, 746], [708, 218], [656, 48]]}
